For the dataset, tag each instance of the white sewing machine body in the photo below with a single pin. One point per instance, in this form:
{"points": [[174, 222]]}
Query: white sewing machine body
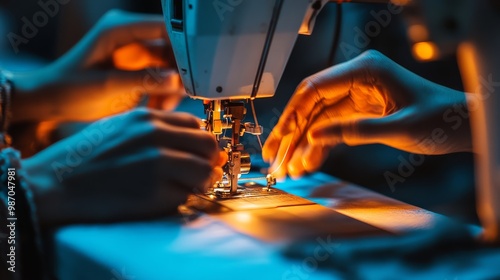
{"points": [[219, 45]]}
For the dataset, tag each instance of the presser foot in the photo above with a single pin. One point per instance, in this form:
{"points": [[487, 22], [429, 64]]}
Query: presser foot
{"points": [[223, 189]]}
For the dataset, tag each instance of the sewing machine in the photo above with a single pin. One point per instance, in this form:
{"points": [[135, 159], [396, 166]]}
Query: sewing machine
{"points": [[230, 52]]}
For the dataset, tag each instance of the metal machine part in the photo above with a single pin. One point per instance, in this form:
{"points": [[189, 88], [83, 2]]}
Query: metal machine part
{"points": [[255, 196], [224, 115]]}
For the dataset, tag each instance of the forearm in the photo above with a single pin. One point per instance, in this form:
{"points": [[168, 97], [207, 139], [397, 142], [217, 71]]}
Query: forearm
{"points": [[30, 101]]}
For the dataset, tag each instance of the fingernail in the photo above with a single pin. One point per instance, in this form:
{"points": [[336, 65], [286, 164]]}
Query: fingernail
{"points": [[271, 159], [293, 171], [304, 163], [315, 135], [264, 156], [280, 179], [310, 137]]}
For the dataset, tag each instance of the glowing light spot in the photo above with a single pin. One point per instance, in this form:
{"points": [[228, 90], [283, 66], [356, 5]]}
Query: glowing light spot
{"points": [[135, 56], [243, 217], [418, 33], [425, 51]]}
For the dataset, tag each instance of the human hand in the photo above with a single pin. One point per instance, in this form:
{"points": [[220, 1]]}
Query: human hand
{"points": [[369, 99], [124, 56], [139, 164]]}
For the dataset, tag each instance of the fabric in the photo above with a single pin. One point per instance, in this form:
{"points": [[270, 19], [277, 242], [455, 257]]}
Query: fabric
{"points": [[449, 251]]}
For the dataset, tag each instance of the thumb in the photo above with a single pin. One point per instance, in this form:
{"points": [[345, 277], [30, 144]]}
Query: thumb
{"points": [[354, 132]]}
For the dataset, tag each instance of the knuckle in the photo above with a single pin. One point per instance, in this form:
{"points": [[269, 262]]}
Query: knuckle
{"points": [[112, 15], [188, 118], [373, 61], [145, 134], [208, 140], [309, 89], [155, 155], [200, 163], [201, 167], [307, 84], [155, 131], [141, 114], [111, 20], [107, 20], [205, 169], [178, 198], [372, 55]]}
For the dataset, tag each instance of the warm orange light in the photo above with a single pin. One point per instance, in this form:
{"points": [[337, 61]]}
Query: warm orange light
{"points": [[400, 2], [243, 217], [134, 57], [468, 67], [400, 218], [425, 51], [418, 33]]}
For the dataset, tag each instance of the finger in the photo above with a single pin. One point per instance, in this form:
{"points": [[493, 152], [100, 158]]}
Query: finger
{"points": [[173, 197], [177, 119], [306, 159], [283, 154], [216, 176], [285, 149], [326, 87], [275, 139], [114, 30], [186, 169], [291, 119], [165, 199], [169, 84], [324, 112], [124, 28], [170, 102], [155, 81], [165, 103], [357, 131], [320, 90], [222, 160], [195, 141], [139, 55]]}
